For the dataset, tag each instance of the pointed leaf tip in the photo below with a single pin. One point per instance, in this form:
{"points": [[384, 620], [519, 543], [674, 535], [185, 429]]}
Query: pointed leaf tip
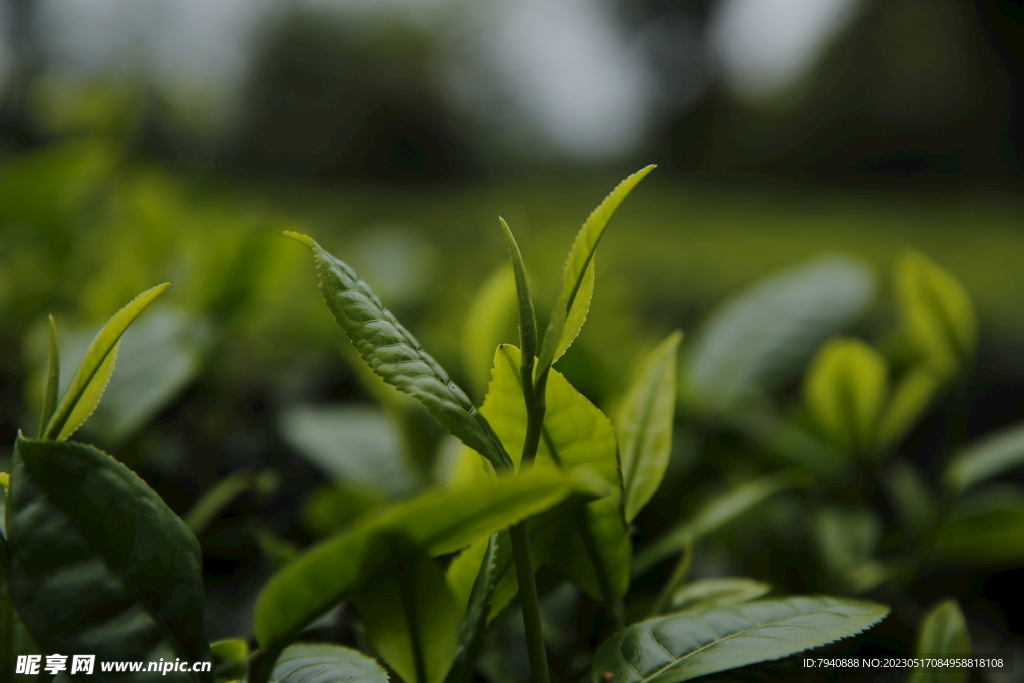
{"points": [[299, 237], [86, 387]]}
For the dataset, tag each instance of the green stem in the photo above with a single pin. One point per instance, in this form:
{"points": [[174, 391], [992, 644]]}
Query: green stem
{"points": [[530, 603]]}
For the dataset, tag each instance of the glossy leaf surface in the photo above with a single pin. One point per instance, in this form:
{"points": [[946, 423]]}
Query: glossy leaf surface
{"points": [[395, 355], [323, 663], [98, 559], [765, 335], [845, 389], [440, 521], [87, 384], [645, 426], [988, 457], [683, 646], [943, 633], [578, 275]]}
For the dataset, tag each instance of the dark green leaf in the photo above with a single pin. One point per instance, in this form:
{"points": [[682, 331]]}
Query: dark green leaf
{"points": [[683, 646], [717, 592], [476, 606], [764, 336], [395, 355], [915, 503], [441, 521], [322, 663], [937, 315], [984, 536], [409, 612], [988, 457], [578, 276], [645, 426], [712, 515], [87, 384], [846, 536], [943, 633], [98, 558], [845, 390]]}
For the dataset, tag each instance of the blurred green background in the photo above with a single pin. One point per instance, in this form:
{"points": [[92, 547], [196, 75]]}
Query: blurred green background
{"points": [[143, 141]]}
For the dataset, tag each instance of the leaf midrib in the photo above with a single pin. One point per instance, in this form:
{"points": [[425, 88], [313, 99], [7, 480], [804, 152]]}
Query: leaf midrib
{"points": [[689, 655]]}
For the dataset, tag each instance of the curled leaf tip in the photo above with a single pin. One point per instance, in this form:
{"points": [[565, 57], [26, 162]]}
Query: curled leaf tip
{"points": [[299, 237]]}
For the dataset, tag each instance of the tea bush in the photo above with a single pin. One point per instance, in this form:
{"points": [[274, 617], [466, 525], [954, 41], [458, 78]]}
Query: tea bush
{"points": [[543, 498]]}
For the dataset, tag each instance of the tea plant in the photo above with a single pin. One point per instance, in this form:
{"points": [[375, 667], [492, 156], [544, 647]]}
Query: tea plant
{"points": [[94, 562]]}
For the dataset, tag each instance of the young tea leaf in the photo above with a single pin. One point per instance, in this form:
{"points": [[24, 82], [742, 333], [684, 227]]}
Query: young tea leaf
{"points": [[409, 612], [936, 314], [645, 426], [323, 663], [576, 432], [490, 320], [441, 520], [52, 381], [762, 337], [985, 458], [845, 389], [395, 355], [683, 646], [717, 592], [911, 396], [527, 317], [578, 276], [97, 557], [87, 384], [943, 633]]}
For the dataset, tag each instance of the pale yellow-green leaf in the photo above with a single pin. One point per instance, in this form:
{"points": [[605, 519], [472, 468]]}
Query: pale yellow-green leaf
{"points": [[845, 389], [579, 431], [577, 266], [410, 614], [943, 633], [576, 433], [645, 426], [91, 396], [490, 321], [936, 314], [578, 313], [909, 399], [81, 387], [5, 480]]}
